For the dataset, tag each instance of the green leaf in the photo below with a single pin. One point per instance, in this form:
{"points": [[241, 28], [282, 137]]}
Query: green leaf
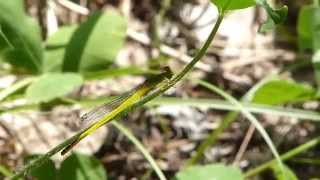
{"points": [[287, 174], [82, 167], [20, 39], [47, 171], [316, 64], [210, 172], [223, 5], [309, 28], [95, 43], [275, 16], [52, 85], [281, 91], [55, 48], [316, 29]]}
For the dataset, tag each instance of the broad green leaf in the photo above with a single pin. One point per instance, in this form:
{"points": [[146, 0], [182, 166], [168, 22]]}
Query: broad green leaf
{"points": [[281, 91], [20, 39], [210, 172], [275, 16], [309, 28], [47, 171], [95, 43], [55, 48], [82, 167], [316, 29], [233, 4], [52, 85], [287, 174]]}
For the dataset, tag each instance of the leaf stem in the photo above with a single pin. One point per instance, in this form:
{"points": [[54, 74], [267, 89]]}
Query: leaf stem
{"points": [[298, 150]]}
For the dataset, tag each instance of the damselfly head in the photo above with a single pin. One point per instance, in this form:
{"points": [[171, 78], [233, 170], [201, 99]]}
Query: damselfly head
{"points": [[166, 71]]}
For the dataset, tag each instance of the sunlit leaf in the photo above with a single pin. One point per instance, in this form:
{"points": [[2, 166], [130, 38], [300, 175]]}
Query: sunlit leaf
{"points": [[233, 4], [287, 174], [210, 172], [52, 85], [55, 48], [281, 91], [95, 44]]}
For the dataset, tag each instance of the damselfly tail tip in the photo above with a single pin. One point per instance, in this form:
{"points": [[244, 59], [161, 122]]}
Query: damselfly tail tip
{"points": [[69, 147]]}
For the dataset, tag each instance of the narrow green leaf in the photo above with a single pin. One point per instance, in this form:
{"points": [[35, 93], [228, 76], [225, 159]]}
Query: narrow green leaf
{"points": [[305, 27], [95, 43], [53, 85], [281, 91], [20, 40], [47, 171], [81, 167], [55, 48], [210, 172], [287, 174]]}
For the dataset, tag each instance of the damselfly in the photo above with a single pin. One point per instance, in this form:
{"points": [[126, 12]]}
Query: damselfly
{"points": [[107, 112]]}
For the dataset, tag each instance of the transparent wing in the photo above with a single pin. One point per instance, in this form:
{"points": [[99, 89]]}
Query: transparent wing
{"points": [[98, 112]]}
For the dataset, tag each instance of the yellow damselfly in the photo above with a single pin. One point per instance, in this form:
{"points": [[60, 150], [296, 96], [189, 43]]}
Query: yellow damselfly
{"points": [[107, 112]]}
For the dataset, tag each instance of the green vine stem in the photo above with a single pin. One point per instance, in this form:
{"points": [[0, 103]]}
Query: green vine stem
{"points": [[39, 161], [298, 150], [142, 149]]}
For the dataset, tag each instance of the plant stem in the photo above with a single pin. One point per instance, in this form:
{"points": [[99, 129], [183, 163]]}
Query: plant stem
{"points": [[142, 149], [39, 161], [43, 158], [185, 70], [316, 3], [302, 148], [201, 53]]}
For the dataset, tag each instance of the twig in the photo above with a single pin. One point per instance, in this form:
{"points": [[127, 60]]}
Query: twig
{"points": [[74, 7], [244, 145], [52, 21]]}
